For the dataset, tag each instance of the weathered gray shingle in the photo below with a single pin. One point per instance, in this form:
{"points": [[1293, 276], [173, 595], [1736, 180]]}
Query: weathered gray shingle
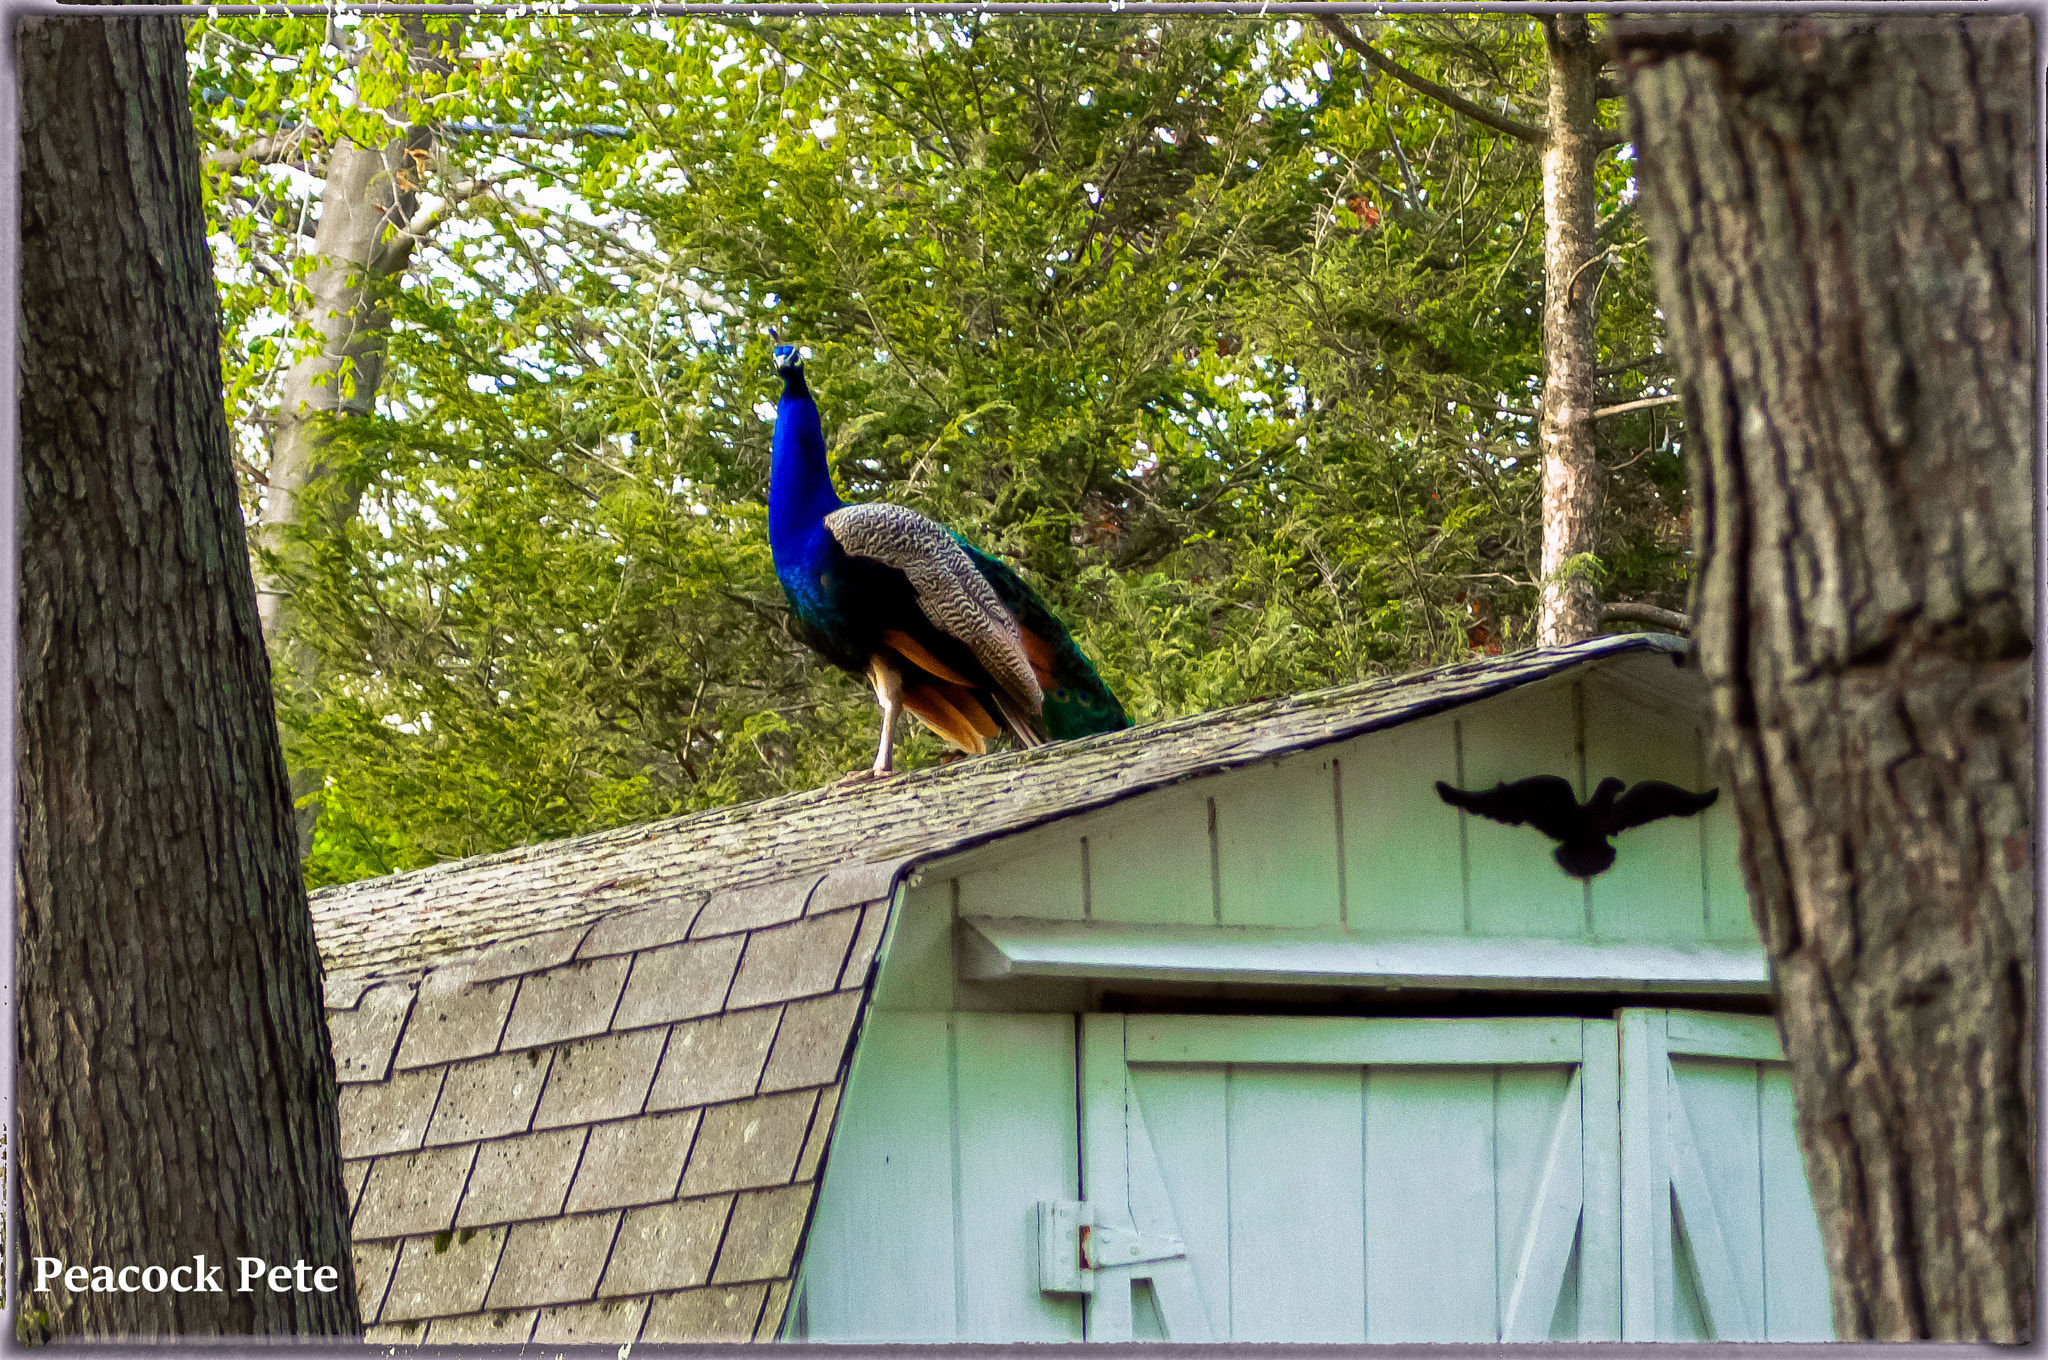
{"points": [[666, 1246], [489, 1098], [452, 1019], [635, 1161], [752, 908], [714, 1314], [518, 1178], [566, 1003], [680, 981], [443, 1274], [749, 1143], [760, 1242], [627, 931], [390, 1116], [793, 960], [603, 1078], [591, 1324], [412, 1192], [554, 1260], [811, 1041], [365, 1036], [715, 1059]]}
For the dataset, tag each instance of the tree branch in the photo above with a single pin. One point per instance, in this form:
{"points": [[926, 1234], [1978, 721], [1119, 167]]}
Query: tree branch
{"points": [[1643, 405], [1478, 113], [1625, 611], [278, 148], [1601, 137]]}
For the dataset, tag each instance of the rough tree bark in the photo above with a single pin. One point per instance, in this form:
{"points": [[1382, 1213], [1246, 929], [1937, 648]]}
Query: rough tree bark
{"points": [[1842, 215], [176, 1093], [1570, 607]]}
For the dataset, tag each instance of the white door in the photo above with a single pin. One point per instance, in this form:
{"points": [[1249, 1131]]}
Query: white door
{"points": [[1295, 1179], [1719, 1237]]}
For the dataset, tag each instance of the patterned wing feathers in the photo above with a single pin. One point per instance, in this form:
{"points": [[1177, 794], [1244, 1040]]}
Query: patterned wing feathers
{"points": [[952, 594]]}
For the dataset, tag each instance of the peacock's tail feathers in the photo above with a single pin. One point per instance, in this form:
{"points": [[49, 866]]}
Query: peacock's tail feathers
{"points": [[1077, 701]]}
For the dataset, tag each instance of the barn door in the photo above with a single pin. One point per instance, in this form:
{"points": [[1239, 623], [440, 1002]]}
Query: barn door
{"points": [[1288, 1179], [1719, 1237]]}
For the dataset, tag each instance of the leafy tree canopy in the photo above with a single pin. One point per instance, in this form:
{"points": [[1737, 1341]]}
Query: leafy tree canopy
{"points": [[1224, 340]]}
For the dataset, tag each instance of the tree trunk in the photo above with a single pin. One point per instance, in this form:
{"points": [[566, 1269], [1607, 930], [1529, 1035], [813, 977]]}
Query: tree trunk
{"points": [[1570, 608], [176, 1093], [368, 195], [1842, 214]]}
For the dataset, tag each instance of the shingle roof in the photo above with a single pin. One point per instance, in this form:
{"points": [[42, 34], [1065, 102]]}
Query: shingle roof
{"points": [[607, 1133], [387, 925]]}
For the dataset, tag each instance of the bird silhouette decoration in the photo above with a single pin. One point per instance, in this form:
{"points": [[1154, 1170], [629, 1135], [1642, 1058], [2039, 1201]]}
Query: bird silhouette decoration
{"points": [[1582, 830], [937, 626]]}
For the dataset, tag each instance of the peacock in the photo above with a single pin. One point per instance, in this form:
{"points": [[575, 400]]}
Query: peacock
{"points": [[936, 625]]}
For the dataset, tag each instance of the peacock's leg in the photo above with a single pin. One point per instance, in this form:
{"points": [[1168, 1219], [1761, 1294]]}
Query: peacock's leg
{"points": [[888, 683]]}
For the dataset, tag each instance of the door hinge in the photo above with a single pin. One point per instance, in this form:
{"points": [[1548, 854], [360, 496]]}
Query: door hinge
{"points": [[1071, 1245]]}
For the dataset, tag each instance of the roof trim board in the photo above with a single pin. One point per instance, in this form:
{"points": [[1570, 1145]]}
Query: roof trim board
{"points": [[1003, 947]]}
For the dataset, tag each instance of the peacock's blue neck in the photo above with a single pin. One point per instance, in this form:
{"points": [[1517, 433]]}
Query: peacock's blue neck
{"points": [[800, 492]]}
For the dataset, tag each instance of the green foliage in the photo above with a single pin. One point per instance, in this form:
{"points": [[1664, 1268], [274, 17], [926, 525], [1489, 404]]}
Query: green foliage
{"points": [[1226, 345]]}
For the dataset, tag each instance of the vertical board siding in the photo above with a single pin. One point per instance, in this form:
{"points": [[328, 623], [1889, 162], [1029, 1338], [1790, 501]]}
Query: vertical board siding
{"points": [[1185, 1108], [1654, 891], [1741, 1257], [1599, 1253], [1728, 914], [1004, 1067], [1797, 1304], [1403, 871], [1151, 862], [1429, 1223], [1720, 1111], [917, 951], [1526, 1105], [880, 1263], [1276, 845], [1040, 876], [1296, 1187], [1516, 887]]}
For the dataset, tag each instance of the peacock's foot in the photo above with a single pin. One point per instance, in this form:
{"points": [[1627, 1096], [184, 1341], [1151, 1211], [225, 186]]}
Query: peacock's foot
{"points": [[863, 776]]}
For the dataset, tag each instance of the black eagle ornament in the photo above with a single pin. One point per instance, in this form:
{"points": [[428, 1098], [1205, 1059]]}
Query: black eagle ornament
{"points": [[1547, 803]]}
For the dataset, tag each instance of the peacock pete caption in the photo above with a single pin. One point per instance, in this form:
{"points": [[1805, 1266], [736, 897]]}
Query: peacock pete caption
{"points": [[196, 1278]]}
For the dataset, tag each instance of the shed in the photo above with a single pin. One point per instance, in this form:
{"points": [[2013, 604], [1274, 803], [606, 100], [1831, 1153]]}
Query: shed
{"points": [[1226, 1028]]}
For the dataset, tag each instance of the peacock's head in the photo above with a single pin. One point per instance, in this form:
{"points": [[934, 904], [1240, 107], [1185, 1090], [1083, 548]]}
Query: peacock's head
{"points": [[788, 362]]}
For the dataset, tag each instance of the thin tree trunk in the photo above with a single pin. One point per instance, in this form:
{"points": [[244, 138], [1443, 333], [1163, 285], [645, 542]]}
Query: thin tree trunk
{"points": [[176, 1092], [1842, 214], [1570, 607], [309, 500], [369, 194]]}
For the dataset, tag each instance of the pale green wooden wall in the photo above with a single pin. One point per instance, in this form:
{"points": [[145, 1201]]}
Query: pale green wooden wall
{"points": [[1333, 1179], [1353, 836], [961, 1111]]}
